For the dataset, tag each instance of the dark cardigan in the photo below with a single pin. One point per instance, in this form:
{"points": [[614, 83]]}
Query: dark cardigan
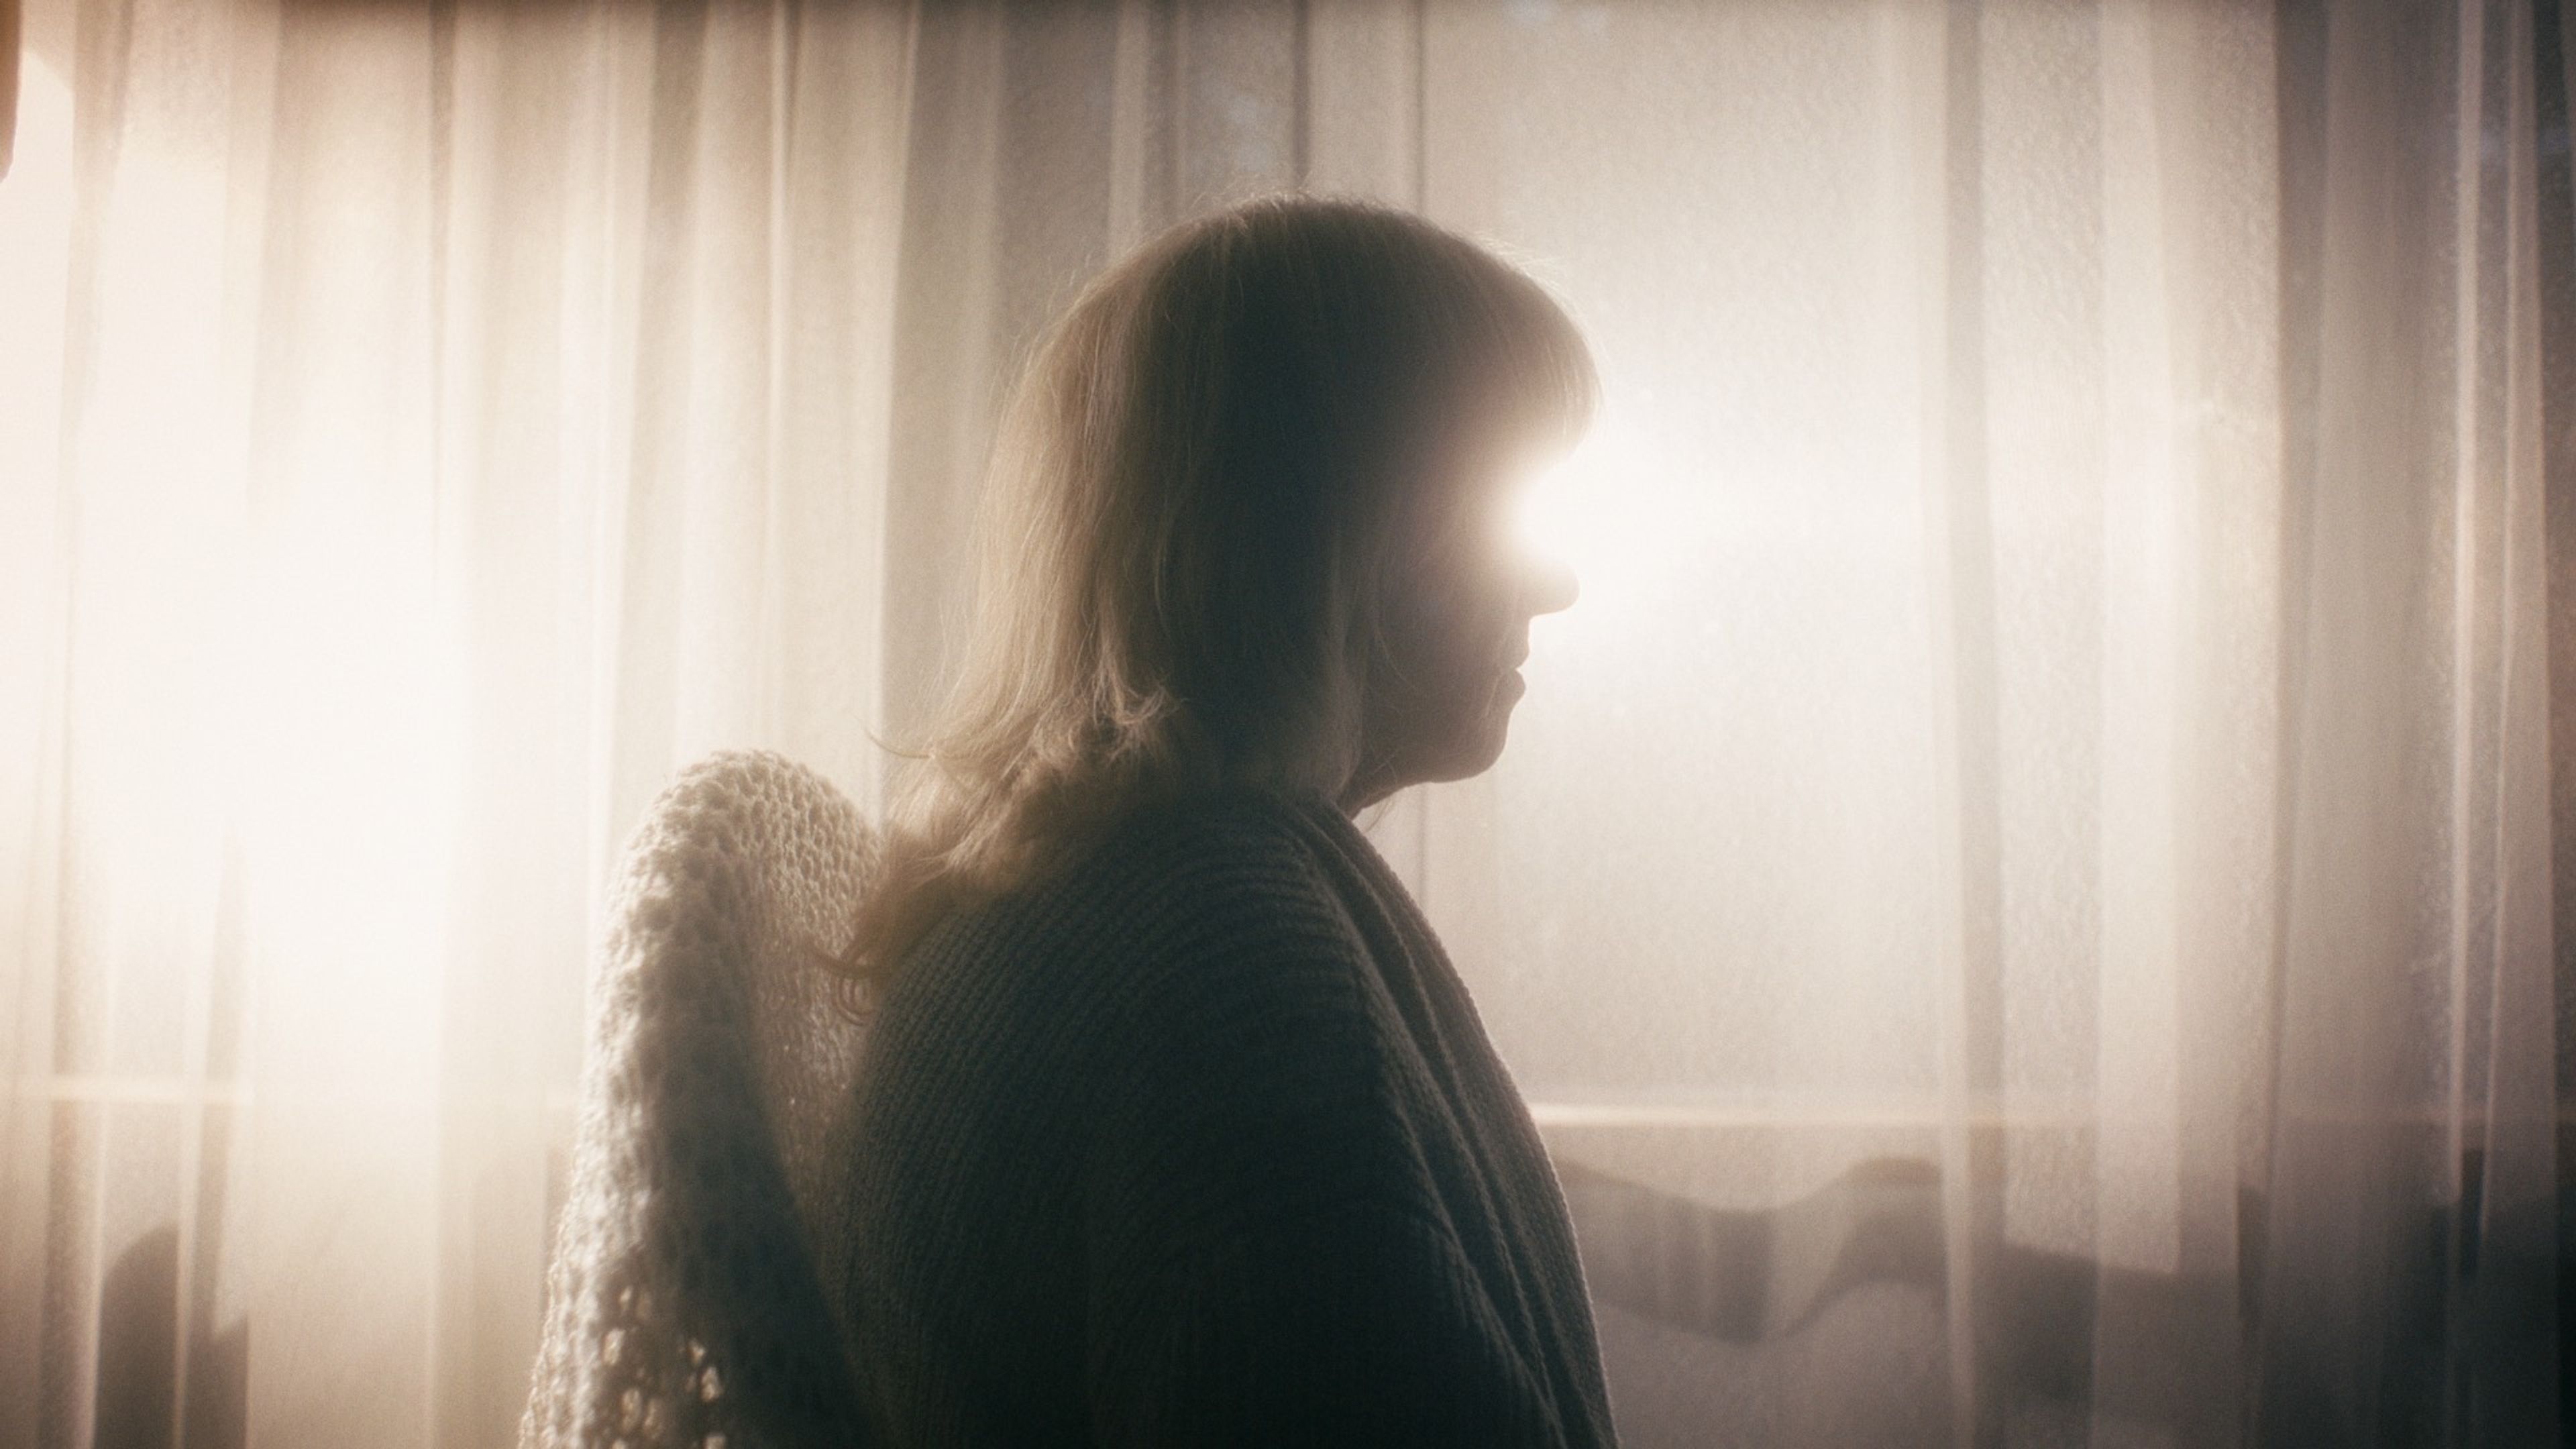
{"points": [[1200, 1142]]}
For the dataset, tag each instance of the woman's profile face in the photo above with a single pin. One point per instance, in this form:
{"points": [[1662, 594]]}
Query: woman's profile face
{"points": [[1456, 631]]}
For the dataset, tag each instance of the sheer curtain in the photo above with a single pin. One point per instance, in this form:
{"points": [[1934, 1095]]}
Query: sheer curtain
{"points": [[466, 416], [2021, 898], [2049, 781]]}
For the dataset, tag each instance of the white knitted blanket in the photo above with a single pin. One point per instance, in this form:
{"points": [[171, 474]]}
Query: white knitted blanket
{"points": [[702, 1248]]}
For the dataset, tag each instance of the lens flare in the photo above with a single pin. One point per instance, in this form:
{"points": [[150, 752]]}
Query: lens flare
{"points": [[1611, 509]]}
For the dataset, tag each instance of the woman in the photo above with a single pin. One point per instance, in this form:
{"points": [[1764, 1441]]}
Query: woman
{"points": [[1177, 1126]]}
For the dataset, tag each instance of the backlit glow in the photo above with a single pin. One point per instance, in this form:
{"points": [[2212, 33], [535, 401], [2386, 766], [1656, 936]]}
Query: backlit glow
{"points": [[1616, 511]]}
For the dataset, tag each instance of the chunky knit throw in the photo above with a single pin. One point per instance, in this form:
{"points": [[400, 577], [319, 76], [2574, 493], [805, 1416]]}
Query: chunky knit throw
{"points": [[1200, 1142], [686, 1307]]}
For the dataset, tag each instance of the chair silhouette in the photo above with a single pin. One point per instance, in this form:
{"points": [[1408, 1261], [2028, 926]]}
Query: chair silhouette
{"points": [[702, 1247]]}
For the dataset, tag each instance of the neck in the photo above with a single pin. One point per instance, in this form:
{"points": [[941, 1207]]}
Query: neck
{"points": [[1367, 787]]}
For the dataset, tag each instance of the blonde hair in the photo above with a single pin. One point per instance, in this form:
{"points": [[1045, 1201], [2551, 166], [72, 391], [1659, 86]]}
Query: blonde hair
{"points": [[1211, 465]]}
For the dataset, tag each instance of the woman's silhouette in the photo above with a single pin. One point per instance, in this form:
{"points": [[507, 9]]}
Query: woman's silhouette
{"points": [[1176, 1126]]}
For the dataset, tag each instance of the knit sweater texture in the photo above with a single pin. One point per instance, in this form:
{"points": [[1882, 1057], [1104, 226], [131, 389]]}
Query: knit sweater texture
{"points": [[1199, 1141]]}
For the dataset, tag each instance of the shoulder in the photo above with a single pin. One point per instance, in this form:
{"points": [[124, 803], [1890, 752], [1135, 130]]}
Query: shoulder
{"points": [[1193, 965], [1216, 833], [1214, 874], [1238, 978], [1213, 893]]}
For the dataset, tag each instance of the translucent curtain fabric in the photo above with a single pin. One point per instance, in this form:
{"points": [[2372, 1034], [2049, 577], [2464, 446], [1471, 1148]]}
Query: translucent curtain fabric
{"points": [[460, 418], [2044, 931], [2413, 1204], [1936, 568], [2019, 897]]}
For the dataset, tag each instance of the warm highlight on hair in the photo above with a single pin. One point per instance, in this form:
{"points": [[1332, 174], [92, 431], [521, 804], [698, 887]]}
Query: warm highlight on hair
{"points": [[1219, 459]]}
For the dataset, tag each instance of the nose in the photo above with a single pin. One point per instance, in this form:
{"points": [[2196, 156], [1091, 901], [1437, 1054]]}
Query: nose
{"points": [[1551, 587]]}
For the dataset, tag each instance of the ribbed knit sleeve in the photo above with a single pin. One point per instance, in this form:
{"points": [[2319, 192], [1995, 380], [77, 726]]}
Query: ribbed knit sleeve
{"points": [[1269, 1259]]}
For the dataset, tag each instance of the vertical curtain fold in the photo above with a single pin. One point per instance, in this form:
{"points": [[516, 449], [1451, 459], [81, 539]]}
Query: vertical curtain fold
{"points": [[2410, 1163], [2553, 236]]}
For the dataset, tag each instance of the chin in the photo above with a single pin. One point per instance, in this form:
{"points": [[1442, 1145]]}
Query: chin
{"points": [[1467, 749], [1472, 757]]}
